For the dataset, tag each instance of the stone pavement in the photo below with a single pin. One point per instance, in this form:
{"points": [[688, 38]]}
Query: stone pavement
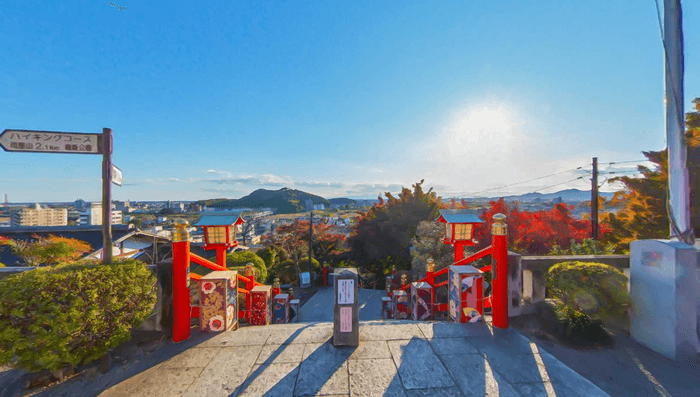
{"points": [[320, 306], [395, 358]]}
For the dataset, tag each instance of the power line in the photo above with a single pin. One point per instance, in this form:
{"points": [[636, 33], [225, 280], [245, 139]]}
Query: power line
{"points": [[557, 184], [530, 180], [625, 162]]}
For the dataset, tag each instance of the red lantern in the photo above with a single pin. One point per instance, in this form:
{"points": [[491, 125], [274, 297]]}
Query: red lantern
{"points": [[220, 233], [459, 229]]}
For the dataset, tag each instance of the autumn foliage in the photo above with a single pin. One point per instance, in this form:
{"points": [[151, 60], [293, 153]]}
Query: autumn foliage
{"points": [[534, 233]]}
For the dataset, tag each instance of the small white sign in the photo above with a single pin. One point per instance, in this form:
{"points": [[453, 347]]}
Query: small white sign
{"points": [[346, 292], [117, 177], [305, 279], [346, 319]]}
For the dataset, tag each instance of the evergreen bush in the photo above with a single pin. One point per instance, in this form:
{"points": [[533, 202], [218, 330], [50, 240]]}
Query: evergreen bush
{"points": [[71, 314], [595, 290]]}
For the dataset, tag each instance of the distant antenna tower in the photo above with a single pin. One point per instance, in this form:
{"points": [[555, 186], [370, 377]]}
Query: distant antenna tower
{"points": [[6, 199]]}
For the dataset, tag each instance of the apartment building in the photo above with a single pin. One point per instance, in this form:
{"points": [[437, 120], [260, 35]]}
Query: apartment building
{"points": [[38, 216], [92, 215]]}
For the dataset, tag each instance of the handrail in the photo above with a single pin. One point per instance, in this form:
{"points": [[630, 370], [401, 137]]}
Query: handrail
{"points": [[201, 261], [478, 255]]}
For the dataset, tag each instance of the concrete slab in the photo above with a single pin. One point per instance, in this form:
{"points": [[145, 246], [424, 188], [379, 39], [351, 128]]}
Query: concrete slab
{"points": [[454, 330], [418, 366], [371, 349], [389, 330], [276, 354], [270, 380], [192, 358], [225, 372], [324, 370], [475, 377], [401, 358], [167, 382], [129, 386], [375, 377], [447, 346], [311, 333], [435, 392]]}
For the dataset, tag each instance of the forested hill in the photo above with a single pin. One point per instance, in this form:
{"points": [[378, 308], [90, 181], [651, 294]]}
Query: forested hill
{"points": [[285, 200]]}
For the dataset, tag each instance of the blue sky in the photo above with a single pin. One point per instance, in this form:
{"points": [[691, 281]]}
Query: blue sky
{"points": [[337, 98]]}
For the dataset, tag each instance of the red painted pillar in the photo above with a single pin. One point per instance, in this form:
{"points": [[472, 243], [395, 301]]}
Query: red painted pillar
{"points": [[250, 275], [221, 257], [181, 291], [459, 251], [325, 276], [499, 292]]}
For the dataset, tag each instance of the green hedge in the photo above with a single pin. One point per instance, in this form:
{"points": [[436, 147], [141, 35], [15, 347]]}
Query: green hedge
{"points": [[59, 316], [596, 289]]}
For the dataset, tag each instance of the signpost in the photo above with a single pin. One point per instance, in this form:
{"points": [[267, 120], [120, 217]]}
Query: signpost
{"points": [[28, 141]]}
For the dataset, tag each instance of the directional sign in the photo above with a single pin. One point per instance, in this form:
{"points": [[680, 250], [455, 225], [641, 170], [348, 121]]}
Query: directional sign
{"points": [[117, 177], [50, 142]]}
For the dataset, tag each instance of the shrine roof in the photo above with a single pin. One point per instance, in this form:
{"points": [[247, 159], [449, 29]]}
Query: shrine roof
{"points": [[459, 216], [214, 219]]}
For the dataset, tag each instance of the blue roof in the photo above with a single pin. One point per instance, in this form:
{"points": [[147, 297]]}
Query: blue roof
{"points": [[214, 219], [460, 216]]}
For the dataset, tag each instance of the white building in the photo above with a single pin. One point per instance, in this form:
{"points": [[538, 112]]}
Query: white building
{"points": [[39, 216], [93, 215]]}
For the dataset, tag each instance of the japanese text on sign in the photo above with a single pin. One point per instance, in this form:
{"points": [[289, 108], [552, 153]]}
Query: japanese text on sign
{"points": [[346, 319], [49, 142], [346, 292]]}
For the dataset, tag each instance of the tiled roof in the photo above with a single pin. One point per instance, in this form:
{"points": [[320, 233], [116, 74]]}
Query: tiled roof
{"points": [[460, 216], [213, 219]]}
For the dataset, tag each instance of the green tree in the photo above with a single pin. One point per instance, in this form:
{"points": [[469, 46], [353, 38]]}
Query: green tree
{"points": [[383, 234], [427, 244], [237, 261], [269, 255]]}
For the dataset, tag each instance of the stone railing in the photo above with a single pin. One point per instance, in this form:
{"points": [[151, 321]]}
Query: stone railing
{"points": [[534, 273]]}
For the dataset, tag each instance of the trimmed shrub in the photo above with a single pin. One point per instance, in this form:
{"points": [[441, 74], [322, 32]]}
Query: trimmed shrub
{"points": [[237, 261], [71, 314], [594, 289]]}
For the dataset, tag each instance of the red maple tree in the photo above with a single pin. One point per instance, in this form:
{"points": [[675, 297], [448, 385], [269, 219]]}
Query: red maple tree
{"points": [[535, 233]]}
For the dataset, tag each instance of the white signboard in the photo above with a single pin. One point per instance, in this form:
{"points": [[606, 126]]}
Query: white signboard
{"points": [[117, 177], [346, 319], [305, 279], [346, 292], [50, 142]]}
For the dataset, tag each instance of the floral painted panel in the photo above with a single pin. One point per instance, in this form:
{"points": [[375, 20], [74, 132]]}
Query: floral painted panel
{"points": [[218, 299], [261, 310]]}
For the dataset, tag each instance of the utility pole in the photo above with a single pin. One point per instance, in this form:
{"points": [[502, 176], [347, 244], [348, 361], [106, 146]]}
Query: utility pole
{"points": [[679, 195], [107, 195], [594, 200], [311, 234]]}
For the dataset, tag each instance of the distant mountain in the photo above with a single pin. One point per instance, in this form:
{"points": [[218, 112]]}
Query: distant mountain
{"points": [[342, 201], [285, 200], [566, 195]]}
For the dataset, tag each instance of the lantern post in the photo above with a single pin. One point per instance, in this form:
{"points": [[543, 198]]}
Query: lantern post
{"points": [[181, 290], [499, 233], [219, 233], [459, 229]]}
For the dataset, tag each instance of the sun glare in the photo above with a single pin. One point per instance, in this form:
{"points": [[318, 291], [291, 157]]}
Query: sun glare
{"points": [[481, 128]]}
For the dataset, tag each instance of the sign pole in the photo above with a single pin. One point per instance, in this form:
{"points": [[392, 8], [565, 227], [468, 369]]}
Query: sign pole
{"points": [[107, 195]]}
